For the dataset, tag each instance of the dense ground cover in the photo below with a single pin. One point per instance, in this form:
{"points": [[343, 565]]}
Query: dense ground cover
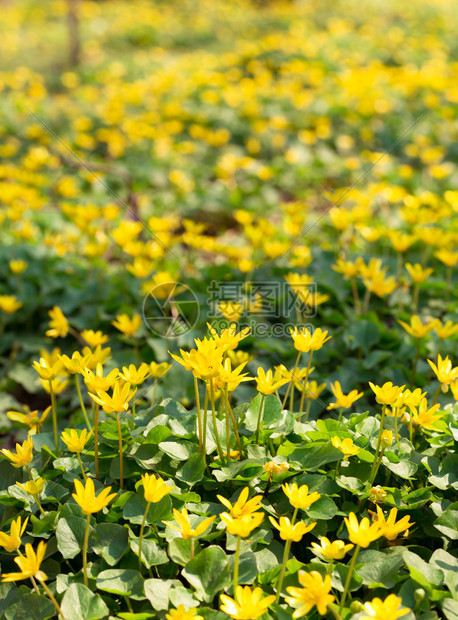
{"points": [[228, 303]]}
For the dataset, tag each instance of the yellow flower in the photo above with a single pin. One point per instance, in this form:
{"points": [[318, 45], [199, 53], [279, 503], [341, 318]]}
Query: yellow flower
{"points": [[331, 550], [314, 592], [343, 400], [448, 257], [180, 613], [74, 440], [184, 525], [96, 356], [384, 610], [364, 533], [159, 370], [31, 419], [346, 446], [86, 498], [446, 330], [299, 497], [416, 327], [75, 363], [58, 385], [377, 494], [155, 488], [401, 241], [33, 487], [231, 310], [23, 454], [305, 341], [409, 398], [207, 359], [291, 532], [58, 323], [243, 525], [387, 394], [242, 506], [444, 371], [134, 375], [18, 266], [347, 268], [92, 338], [275, 469], [128, 326], [118, 401], [388, 527], [47, 370], [231, 378], [229, 338], [12, 541], [418, 273], [9, 304], [266, 383], [29, 564], [248, 604], [96, 382], [454, 387]]}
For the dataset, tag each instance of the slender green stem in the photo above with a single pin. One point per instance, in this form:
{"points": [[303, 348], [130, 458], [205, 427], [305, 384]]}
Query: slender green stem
{"points": [[129, 604], [379, 438], [85, 544], [334, 612], [228, 434], [298, 357], [140, 540], [307, 409], [283, 569], [53, 600], [33, 581], [121, 464], [291, 398], [81, 466], [54, 415], [153, 397], [199, 418], [415, 363], [80, 397], [348, 579], [303, 393], [396, 415], [40, 507], [367, 296], [261, 410], [218, 443], [192, 548], [133, 410], [96, 439], [436, 394], [354, 289], [236, 430], [416, 290], [376, 468], [205, 423], [236, 564]]}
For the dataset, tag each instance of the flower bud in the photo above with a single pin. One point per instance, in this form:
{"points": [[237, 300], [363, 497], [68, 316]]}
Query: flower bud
{"points": [[387, 439], [419, 595], [356, 607]]}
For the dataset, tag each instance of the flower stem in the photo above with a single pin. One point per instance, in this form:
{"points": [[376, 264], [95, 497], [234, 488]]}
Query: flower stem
{"points": [[199, 418], [355, 296], [53, 600], [85, 544], [261, 410], [192, 548], [236, 564], [96, 439], [301, 404], [298, 357], [283, 568], [228, 435], [80, 397], [218, 443], [54, 415], [140, 540], [121, 464], [348, 579], [81, 466], [236, 431], [375, 468], [379, 438], [415, 363], [436, 394], [204, 429]]}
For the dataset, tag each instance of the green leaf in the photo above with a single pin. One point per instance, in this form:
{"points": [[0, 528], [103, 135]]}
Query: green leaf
{"points": [[447, 524], [111, 541], [135, 507], [422, 572], [178, 450], [79, 603], [8, 593], [247, 567], [245, 470], [152, 554], [193, 470], [323, 508], [179, 550], [450, 608], [314, 455], [70, 536], [208, 573], [157, 592], [31, 607], [382, 573], [126, 582]]}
